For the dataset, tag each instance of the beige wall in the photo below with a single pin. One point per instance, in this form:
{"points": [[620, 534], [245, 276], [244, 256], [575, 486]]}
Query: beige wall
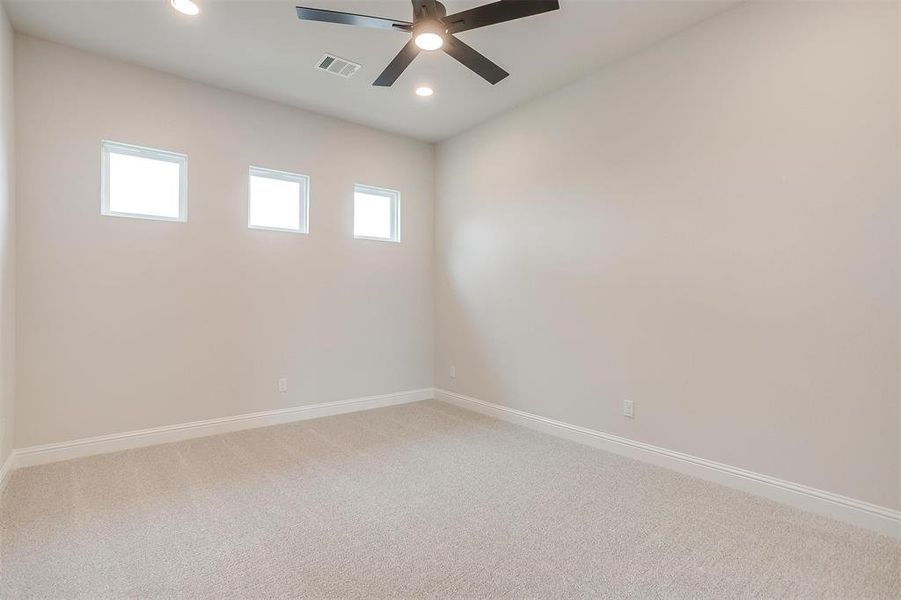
{"points": [[7, 241], [127, 324], [709, 228]]}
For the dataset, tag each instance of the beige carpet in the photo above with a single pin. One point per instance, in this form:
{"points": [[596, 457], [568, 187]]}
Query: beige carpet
{"points": [[414, 501]]}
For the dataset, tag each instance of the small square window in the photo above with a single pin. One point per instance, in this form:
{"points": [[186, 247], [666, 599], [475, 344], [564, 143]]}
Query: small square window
{"points": [[376, 214], [143, 183], [278, 200]]}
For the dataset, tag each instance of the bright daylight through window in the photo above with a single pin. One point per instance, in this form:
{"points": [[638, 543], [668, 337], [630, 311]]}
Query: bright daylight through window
{"points": [[143, 183], [376, 214], [278, 200]]}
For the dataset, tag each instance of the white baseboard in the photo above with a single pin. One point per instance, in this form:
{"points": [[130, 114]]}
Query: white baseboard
{"points": [[48, 453], [863, 514], [5, 470]]}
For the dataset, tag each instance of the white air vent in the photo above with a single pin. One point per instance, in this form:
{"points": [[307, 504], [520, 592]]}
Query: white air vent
{"points": [[337, 66]]}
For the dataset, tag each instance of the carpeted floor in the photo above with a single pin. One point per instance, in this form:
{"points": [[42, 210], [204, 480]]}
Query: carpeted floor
{"points": [[421, 500]]}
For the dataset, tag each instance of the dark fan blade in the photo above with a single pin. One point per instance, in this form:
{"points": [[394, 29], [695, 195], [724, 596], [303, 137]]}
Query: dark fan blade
{"points": [[472, 59], [343, 18], [397, 66], [497, 12]]}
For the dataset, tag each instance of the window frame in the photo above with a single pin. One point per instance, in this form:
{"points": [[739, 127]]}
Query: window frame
{"points": [[394, 196], [110, 146], [304, 201]]}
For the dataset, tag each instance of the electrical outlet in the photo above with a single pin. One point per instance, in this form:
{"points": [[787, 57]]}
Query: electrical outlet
{"points": [[629, 409], [453, 372], [282, 385]]}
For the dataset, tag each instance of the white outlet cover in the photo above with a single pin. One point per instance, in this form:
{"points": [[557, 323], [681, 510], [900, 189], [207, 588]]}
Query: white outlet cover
{"points": [[283, 385], [628, 408], [453, 371]]}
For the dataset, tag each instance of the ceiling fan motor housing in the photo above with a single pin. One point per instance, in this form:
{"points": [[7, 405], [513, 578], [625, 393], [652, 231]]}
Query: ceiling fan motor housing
{"points": [[421, 11]]}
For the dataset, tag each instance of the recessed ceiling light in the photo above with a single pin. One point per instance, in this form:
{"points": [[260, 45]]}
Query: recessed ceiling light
{"points": [[186, 7], [424, 91]]}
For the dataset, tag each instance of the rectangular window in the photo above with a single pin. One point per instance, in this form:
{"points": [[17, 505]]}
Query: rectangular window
{"points": [[143, 183], [376, 214], [278, 200]]}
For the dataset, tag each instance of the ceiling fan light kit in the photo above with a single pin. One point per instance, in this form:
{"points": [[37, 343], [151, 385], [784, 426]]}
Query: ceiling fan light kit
{"points": [[429, 35], [433, 29]]}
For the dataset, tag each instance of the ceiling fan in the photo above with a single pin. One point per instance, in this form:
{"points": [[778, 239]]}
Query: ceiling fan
{"points": [[432, 29]]}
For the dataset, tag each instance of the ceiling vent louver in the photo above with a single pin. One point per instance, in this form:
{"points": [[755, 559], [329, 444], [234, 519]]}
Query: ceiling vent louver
{"points": [[337, 66]]}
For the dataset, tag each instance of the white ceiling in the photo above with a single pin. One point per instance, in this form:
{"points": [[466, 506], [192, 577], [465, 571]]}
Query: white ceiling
{"points": [[261, 48]]}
